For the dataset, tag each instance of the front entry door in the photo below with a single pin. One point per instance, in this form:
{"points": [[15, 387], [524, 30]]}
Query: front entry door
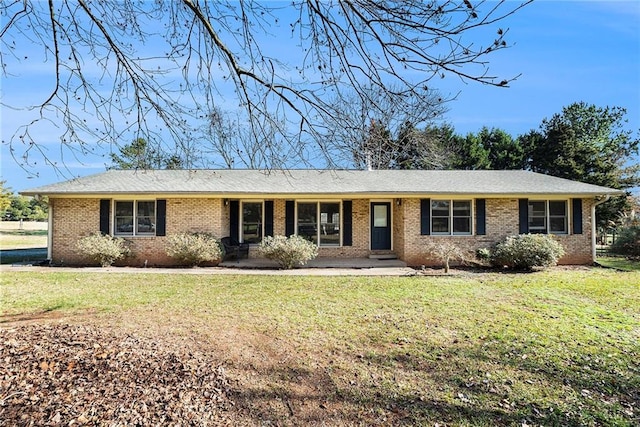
{"points": [[380, 226]]}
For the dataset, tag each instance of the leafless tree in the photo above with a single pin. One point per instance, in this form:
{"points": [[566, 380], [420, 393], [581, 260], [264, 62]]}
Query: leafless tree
{"points": [[362, 129], [123, 69], [232, 143]]}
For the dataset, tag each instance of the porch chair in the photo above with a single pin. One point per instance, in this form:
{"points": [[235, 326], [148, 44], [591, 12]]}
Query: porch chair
{"points": [[234, 249]]}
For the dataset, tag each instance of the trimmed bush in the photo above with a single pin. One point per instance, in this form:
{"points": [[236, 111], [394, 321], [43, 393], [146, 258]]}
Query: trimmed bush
{"points": [[194, 248], [288, 252], [103, 248], [627, 242], [526, 251]]}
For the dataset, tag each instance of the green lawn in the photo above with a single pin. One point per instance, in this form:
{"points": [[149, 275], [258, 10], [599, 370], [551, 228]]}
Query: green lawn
{"points": [[560, 347], [620, 263], [22, 239]]}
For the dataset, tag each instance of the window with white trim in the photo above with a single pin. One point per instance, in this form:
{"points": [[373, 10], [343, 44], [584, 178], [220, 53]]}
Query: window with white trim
{"points": [[319, 222], [548, 216], [451, 217], [252, 223], [134, 218]]}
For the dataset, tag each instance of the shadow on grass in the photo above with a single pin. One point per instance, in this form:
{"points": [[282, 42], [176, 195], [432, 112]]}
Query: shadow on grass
{"points": [[619, 263], [23, 256], [300, 396], [465, 385], [23, 232]]}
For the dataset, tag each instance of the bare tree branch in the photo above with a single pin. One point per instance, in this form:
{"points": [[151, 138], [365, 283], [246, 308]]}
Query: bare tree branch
{"points": [[125, 69]]}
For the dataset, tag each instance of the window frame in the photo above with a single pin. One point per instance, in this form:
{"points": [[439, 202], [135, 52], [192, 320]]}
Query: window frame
{"points": [[318, 221], [241, 220], [548, 217], [135, 215], [451, 217]]}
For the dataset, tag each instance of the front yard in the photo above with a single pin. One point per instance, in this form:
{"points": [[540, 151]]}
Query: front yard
{"points": [[560, 347]]}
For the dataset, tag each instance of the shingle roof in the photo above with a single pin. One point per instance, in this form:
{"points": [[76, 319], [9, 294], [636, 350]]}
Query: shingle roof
{"points": [[285, 183]]}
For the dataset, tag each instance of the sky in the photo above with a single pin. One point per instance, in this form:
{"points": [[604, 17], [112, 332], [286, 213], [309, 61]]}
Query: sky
{"points": [[563, 52]]}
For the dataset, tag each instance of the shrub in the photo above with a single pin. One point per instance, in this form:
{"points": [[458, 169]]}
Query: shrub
{"points": [[288, 251], [194, 248], [627, 242], [103, 248], [446, 251], [526, 251], [483, 255]]}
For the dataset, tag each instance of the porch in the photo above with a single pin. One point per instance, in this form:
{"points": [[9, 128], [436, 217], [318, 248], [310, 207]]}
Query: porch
{"points": [[324, 262]]}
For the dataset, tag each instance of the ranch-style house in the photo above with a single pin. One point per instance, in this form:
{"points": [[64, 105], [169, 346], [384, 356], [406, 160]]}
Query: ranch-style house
{"points": [[347, 213]]}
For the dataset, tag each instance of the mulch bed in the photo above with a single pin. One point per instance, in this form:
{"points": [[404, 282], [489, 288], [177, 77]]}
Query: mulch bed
{"points": [[55, 374]]}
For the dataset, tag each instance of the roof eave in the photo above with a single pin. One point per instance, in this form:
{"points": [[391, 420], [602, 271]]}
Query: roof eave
{"points": [[345, 194]]}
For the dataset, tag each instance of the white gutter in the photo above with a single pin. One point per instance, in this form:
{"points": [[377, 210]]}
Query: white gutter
{"points": [[593, 224]]}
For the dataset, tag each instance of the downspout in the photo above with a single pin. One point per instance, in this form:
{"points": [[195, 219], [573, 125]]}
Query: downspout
{"points": [[593, 224]]}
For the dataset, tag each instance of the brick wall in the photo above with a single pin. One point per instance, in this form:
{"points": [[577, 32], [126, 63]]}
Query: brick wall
{"points": [[74, 218], [501, 220], [399, 227]]}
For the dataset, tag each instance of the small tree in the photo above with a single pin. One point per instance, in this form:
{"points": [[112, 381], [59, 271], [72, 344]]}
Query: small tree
{"points": [[446, 251], [288, 251], [627, 242], [103, 249], [194, 248]]}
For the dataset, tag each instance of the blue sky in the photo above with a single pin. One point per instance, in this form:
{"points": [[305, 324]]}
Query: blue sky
{"points": [[566, 52]]}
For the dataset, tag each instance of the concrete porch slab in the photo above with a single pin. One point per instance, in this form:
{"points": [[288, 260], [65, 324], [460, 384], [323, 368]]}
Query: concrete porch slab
{"points": [[353, 263]]}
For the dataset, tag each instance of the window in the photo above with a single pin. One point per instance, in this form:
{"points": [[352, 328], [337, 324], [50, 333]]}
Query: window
{"points": [[252, 223], [319, 222], [329, 224], [548, 216], [135, 218], [440, 216], [451, 217], [558, 217]]}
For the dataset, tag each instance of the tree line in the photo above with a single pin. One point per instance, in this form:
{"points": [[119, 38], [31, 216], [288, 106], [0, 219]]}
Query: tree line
{"points": [[584, 143], [14, 207]]}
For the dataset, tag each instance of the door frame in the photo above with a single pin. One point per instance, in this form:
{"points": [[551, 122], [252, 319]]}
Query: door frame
{"points": [[389, 204]]}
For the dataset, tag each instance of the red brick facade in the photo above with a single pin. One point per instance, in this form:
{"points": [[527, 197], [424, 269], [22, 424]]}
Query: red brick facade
{"points": [[73, 218]]}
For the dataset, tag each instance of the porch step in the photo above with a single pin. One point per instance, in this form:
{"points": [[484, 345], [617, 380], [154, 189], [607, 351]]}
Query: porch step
{"points": [[383, 255]]}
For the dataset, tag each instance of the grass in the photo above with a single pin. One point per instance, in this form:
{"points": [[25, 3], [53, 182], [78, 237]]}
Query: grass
{"points": [[559, 347], [22, 239], [22, 242]]}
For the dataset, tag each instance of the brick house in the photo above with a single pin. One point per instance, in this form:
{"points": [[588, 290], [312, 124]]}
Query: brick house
{"points": [[346, 213]]}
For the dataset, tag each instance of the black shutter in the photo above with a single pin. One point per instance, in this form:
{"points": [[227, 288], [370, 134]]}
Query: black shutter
{"points": [[290, 218], [105, 213], [425, 216], [481, 217], [523, 207], [268, 218], [161, 217], [577, 216], [347, 223], [234, 220]]}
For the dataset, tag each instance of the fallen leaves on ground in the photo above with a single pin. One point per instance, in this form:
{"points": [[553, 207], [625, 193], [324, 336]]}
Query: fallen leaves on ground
{"points": [[86, 375]]}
